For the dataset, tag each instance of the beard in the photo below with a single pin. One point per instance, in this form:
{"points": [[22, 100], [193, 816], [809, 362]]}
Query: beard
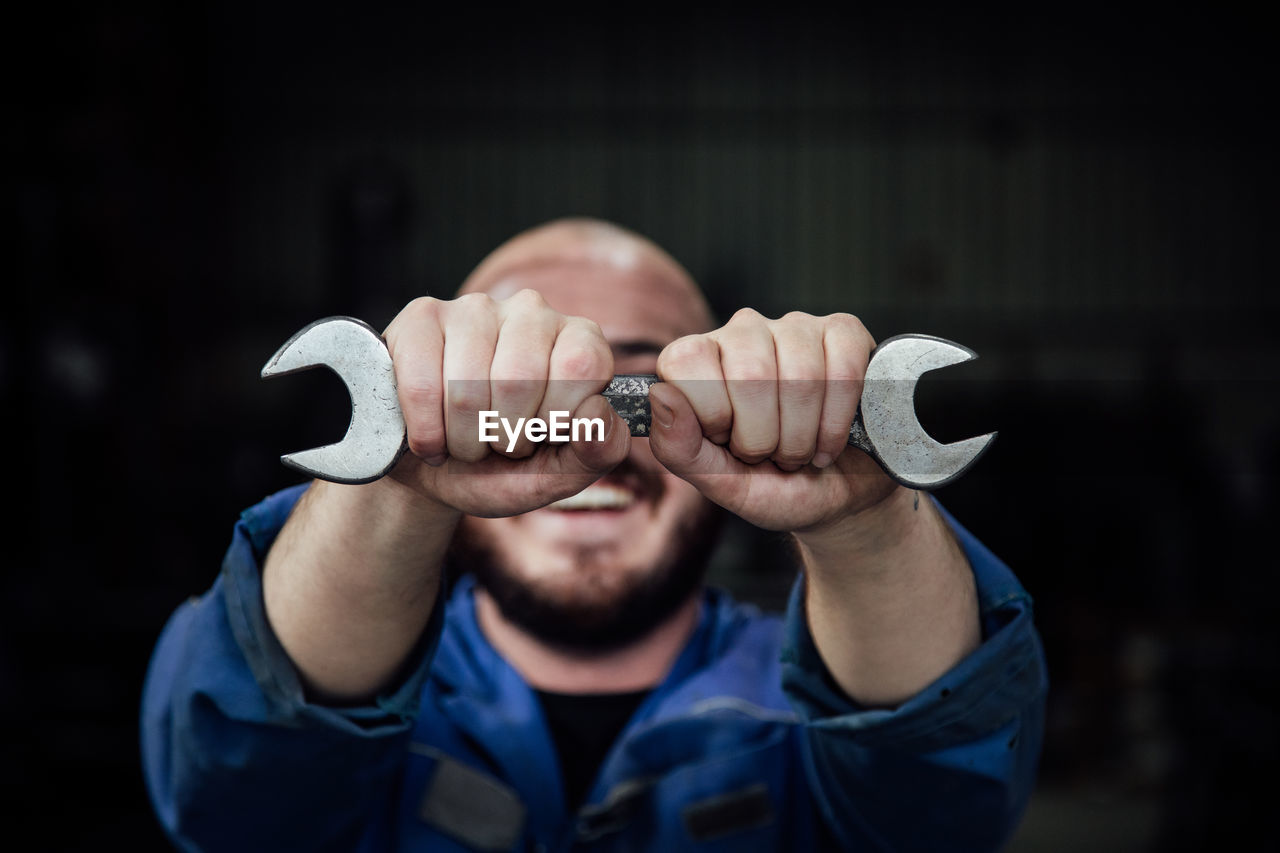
{"points": [[610, 607]]}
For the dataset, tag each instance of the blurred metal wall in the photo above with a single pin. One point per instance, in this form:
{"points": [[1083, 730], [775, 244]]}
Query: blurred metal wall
{"points": [[842, 163]]}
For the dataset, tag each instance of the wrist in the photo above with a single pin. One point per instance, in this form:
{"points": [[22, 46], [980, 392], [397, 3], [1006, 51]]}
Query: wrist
{"points": [[872, 538], [408, 487], [391, 516]]}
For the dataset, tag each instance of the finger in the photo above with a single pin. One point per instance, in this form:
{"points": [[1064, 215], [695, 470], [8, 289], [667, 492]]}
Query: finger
{"points": [[521, 362], [847, 346], [471, 332], [589, 455], [797, 340], [761, 494], [692, 365], [581, 364], [751, 376], [416, 344]]}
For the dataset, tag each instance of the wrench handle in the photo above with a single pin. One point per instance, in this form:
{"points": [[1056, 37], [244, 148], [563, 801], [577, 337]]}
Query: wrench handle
{"points": [[628, 394]]}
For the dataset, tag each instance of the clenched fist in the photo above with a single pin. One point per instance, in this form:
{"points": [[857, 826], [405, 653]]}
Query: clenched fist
{"points": [[756, 415], [517, 357]]}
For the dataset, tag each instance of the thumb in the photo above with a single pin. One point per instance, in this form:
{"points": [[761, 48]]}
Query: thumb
{"points": [[589, 454], [675, 437]]}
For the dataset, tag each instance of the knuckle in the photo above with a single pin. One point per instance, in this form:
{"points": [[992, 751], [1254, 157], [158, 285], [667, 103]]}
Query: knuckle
{"points": [[850, 326], [527, 295], [748, 455], [845, 374], [516, 397], [422, 311], [684, 352], [583, 326], [753, 447], [586, 357], [833, 441], [837, 418], [751, 367], [468, 452], [582, 364], [525, 301], [717, 419], [587, 328], [416, 397], [844, 320], [423, 428], [517, 385], [806, 394], [511, 373], [423, 307], [746, 315], [472, 303], [793, 455], [467, 396], [810, 395], [426, 440], [796, 318]]}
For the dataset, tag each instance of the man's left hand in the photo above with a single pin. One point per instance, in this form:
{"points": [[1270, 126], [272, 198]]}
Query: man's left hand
{"points": [[756, 415]]}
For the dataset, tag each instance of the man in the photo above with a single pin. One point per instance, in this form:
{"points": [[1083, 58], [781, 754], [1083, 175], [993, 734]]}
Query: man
{"points": [[580, 686]]}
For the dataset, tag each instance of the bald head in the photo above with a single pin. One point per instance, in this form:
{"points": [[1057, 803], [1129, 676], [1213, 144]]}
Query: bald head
{"points": [[600, 253]]}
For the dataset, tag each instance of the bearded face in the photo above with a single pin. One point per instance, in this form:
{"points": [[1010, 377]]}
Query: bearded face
{"points": [[601, 569], [605, 567]]}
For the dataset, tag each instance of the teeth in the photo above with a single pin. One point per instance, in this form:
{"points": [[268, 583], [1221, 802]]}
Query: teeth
{"points": [[596, 496]]}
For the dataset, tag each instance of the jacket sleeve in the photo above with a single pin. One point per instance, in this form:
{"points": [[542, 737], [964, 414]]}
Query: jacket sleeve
{"points": [[234, 756], [953, 767]]}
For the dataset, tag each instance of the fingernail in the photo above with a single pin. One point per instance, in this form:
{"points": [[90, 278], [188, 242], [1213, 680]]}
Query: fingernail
{"points": [[822, 459], [662, 414]]}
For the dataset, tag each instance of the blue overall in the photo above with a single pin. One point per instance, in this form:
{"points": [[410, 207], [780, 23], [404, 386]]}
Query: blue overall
{"points": [[747, 745]]}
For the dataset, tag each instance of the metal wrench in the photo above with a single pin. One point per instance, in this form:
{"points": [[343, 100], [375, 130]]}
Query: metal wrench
{"points": [[885, 427]]}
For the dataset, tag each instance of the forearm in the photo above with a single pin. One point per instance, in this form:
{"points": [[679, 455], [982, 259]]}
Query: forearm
{"points": [[227, 730], [351, 581], [890, 599]]}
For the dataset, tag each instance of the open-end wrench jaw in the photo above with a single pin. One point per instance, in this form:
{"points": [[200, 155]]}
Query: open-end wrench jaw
{"points": [[887, 426], [375, 438]]}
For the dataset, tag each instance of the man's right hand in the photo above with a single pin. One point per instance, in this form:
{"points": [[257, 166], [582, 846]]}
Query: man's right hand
{"points": [[518, 357], [351, 580]]}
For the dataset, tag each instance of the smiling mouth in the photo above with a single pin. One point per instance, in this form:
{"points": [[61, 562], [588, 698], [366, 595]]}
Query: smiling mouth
{"points": [[597, 496]]}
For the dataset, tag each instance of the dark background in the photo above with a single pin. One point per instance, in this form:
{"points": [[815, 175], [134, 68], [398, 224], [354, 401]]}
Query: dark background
{"points": [[1085, 195]]}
